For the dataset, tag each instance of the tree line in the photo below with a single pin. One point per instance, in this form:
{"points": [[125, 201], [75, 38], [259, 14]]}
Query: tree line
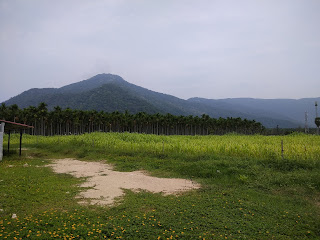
{"points": [[70, 121]]}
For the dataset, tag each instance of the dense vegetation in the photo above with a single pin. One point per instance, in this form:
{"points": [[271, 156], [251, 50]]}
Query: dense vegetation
{"points": [[67, 121], [250, 188]]}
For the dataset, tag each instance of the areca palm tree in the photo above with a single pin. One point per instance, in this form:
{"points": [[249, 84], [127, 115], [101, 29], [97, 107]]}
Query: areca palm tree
{"points": [[67, 118], [14, 112], [205, 119], [42, 112], [68, 121], [32, 118], [57, 119], [4, 114]]}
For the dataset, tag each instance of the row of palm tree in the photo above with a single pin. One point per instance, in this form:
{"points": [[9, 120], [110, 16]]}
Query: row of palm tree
{"points": [[68, 121]]}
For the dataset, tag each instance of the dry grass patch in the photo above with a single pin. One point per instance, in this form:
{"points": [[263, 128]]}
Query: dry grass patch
{"points": [[106, 185]]}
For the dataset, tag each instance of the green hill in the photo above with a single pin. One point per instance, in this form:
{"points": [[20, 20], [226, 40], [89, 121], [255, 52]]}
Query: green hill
{"points": [[110, 93]]}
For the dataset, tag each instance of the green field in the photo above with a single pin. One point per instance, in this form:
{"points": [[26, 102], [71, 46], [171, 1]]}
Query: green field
{"points": [[250, 188]]}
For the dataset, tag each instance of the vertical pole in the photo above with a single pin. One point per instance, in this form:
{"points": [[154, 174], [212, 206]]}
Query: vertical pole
{"points": [[282, 149], [306, 130], [1, 139], [162, 147], [9, 141], [316, 106], [20, 141]]}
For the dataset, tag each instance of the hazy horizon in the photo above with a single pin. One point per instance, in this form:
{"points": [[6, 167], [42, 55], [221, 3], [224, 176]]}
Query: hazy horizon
{"points": [[209, 49]]}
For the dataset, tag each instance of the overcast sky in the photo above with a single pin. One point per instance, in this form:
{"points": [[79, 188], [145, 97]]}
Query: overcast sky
{"points": [[204, 48]]}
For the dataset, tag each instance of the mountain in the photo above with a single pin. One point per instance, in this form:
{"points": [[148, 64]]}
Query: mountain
{"points": [[292, 108], [110, 93], [268, 118], [289, 110]]}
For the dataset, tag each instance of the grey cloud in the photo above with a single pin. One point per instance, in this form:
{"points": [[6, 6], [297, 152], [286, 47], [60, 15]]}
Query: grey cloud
{"points": [[213, 49]]}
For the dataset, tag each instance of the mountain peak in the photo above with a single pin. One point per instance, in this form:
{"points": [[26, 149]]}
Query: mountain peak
{"points": [[104, 76], [92, 83]]}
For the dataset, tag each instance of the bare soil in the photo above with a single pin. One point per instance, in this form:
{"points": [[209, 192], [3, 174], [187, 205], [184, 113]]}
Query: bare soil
{"points": [[106, 185]]}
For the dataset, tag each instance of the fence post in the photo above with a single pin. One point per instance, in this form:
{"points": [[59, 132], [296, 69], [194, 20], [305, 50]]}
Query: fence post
{"points": [[20, 142], [162, 147], [9, 134], [1, 139], [282, 149]]}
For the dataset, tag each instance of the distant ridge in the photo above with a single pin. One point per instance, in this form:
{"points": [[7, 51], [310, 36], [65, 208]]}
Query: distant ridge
{"points": [[286, 109], [108, 92]]}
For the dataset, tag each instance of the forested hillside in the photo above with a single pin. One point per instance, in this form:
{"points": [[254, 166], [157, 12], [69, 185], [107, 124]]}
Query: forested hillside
{"points": [[110, 93]]}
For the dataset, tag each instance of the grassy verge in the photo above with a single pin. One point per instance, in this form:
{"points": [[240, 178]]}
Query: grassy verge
{"points": [[257, 195]]}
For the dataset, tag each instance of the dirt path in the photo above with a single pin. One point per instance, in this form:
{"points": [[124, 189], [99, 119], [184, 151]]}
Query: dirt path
{"points": [[107, 185]]}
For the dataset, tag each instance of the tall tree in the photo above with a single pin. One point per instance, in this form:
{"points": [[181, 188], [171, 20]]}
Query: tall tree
{"points": [[4, 112], [14, 112], [43, 113]]}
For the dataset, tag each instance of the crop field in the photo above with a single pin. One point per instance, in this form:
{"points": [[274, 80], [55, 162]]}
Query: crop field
{"points": [[253, 187]]}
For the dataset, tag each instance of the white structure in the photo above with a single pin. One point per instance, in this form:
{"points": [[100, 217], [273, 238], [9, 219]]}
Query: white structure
{"points": [[1, 139], [11, 126]]}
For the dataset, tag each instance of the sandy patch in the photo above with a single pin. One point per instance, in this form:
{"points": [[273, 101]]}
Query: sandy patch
{"points": [[107, 185]]}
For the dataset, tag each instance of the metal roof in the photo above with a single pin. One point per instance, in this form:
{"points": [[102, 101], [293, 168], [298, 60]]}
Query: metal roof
{"points": [[14, 126]]}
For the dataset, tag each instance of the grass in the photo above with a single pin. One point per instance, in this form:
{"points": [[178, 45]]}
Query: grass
{"points": [[249, 191]]}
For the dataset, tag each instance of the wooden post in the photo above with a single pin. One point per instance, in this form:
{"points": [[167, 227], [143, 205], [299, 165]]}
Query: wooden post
{"points": [[20, 141]]}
